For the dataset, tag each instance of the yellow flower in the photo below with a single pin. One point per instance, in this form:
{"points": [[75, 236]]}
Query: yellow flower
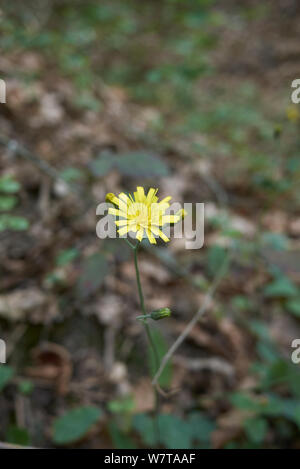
{"points": [[142, 214], [292, 113]]}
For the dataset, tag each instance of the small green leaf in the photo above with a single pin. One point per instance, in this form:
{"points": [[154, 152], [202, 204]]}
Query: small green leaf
{"points": [[256, 429], [215, 257], [7, 202], [71, 174], [94, 269], [145, 426], [6, 374], [161, 347], [245, 402], [141, 164], [200, 427], [120, 439], [26, 386], [281, 287], [75, 424], [11, 222], [8, 185], [102, 165], [293, 306], [66, 256], [118, 406], [277, 241], [174, 432], [17, 436]]}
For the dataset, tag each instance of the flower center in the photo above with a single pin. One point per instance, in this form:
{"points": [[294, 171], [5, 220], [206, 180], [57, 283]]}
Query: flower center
{"points": [[139, 213]]}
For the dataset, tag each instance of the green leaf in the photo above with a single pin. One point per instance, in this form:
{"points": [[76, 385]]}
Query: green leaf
{"points": [[11, 222], [146, 427], [245, 402], [174, 432], [297, 416], [8, 185], [7, 202], [6, 374], [94, 269], [102, 165], [66, 256], [125, 405], [17, 436], [293, 306], [141, 164], [120, 439], [71, 174], [26, 386], [161, 347], [256, 429], [277, 241], [281, 287], [17, 223], [200, 427], [75, 424], [215, 257]]}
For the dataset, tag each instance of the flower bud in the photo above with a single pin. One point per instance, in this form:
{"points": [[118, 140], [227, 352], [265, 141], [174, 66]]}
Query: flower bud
{"points": [[160, 314], [110, 197]]}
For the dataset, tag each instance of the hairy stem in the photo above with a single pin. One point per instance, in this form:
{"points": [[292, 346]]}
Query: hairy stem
{"points": [[148, 332]]}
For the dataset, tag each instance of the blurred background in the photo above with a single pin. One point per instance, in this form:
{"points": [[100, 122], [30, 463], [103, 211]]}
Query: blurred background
{"points": [[192, 97]]}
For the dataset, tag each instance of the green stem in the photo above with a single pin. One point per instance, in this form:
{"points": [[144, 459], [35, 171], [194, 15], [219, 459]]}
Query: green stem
{"points": [[148, 332], [138, 279]]}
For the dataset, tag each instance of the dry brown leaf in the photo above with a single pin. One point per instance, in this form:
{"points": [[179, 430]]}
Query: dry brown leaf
{"points": [[52, 363]]}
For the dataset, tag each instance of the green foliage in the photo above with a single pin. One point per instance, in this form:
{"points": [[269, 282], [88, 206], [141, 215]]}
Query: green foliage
{"points": [[26, 387], [125, 405], [120, 439], [72, 174], [161, 347], [73, 425], [281, 287], [256, 429], [7, 202], [293, 306], [134, 164], [216, 256], [8, 185], [17, 436], [6, 374], [175, 432], [93, 271], [66, 256]]}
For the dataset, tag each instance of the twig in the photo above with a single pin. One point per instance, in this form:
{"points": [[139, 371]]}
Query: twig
{"points": [[194, 320]]}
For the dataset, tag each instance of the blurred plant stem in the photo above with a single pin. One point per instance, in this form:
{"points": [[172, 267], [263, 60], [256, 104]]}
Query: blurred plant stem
{"points": [[148, 333]]}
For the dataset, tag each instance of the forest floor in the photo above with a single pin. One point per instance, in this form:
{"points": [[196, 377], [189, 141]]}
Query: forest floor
{"points": [[192, 100]]}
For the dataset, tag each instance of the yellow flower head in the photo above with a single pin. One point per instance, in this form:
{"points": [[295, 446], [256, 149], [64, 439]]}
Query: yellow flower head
{"points": [[142, 214]]}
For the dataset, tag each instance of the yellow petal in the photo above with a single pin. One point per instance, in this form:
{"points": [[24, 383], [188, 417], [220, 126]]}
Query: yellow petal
{"points": [[110, 197], [170, 219], [140, 234], [117, 212], [121, 222], [123, 231], [150, 236], [151, 196], [166, 200], [139, 195], [160, 233]]}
